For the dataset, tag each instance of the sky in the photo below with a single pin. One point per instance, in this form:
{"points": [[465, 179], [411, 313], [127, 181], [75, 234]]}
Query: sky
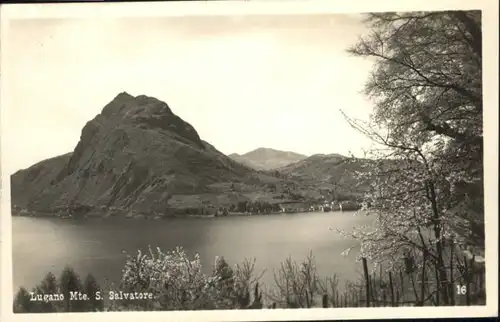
{"points": [[243, 82]]}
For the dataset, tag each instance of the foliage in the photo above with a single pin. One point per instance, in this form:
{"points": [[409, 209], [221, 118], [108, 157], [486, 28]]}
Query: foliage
{"points": [[426, 175], [91, 287], [175, 281], [256, 207], [68, 281], [236, 284], [296, 285], [178, 283], [427, 89], [22, 303], [49, 285]]}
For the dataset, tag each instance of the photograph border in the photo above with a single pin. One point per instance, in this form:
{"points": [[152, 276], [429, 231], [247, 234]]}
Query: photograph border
{"points": [[490, 126]]}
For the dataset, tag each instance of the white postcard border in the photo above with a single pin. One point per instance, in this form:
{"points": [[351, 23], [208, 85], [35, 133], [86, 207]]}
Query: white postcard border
{"points": [[103, 10]]}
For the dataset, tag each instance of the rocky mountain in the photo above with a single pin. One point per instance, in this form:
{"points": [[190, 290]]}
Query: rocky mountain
{"points": [[135, 156], [267, 159]]}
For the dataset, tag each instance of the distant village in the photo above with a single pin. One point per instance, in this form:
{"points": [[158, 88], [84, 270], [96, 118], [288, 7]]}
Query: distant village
{"points": [[328, 199], [293, 206]]}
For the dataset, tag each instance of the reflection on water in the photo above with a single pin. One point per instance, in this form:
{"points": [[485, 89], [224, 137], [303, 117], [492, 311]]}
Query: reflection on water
{"points": [[98, 246]]}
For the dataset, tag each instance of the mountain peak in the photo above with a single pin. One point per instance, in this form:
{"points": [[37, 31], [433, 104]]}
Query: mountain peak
{"points": [[267, 158], [263, 149], [146, 113], [127, 116], [127, 105], [124, 95], [270, 152]]}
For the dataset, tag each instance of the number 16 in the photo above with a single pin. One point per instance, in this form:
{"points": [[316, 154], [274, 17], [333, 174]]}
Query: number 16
{"points": [[461, 289]]}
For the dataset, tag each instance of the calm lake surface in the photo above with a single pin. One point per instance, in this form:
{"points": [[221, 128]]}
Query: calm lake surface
{"points": [[97, 246]]}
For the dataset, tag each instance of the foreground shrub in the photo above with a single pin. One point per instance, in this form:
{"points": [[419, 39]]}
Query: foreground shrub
{"points": [[297, 285], [178, 283], [22, 302]]}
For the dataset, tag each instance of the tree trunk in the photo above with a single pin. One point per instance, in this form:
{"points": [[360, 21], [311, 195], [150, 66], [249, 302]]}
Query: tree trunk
{"points": [[367, 282], [392, 289], [443, 283], [422, 279], [452, 281]]}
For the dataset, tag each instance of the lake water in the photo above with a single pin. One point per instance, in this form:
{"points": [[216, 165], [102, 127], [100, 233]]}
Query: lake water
{"points": [[96, 246]]}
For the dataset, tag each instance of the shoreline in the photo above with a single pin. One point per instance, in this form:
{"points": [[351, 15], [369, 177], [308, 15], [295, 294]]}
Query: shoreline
{"points": [[143, 216], [100, 213], [127, 216]]}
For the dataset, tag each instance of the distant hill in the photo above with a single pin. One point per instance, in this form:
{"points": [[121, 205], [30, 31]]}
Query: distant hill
{"points": [[329, 172], [136, 156], [267, 159]]}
